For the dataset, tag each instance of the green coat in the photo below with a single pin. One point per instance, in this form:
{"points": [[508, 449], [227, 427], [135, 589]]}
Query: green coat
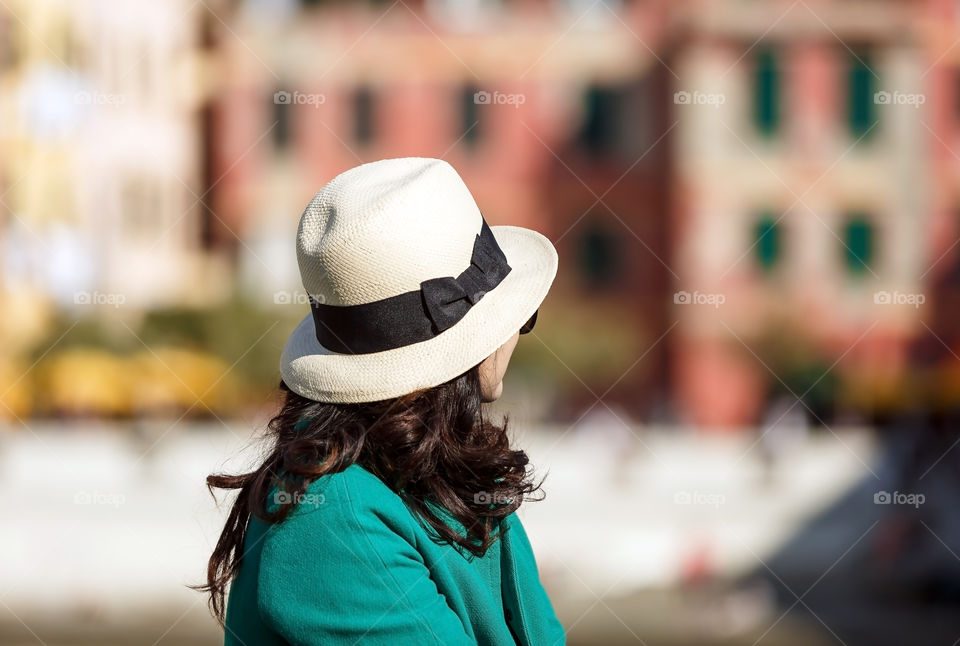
{"points": [[352, 565]]}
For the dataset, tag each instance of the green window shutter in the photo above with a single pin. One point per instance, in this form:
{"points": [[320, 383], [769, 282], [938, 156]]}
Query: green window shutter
{"points": [[766, 93], [858, 238], [861, 86], [600, 255], [767, 237], [597, 131]]}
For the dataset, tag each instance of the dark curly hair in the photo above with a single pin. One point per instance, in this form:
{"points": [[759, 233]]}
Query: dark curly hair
{"points": [[432, 445]]}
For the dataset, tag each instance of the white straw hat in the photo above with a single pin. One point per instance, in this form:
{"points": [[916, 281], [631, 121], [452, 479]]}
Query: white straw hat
{"points": [[409, 286]]}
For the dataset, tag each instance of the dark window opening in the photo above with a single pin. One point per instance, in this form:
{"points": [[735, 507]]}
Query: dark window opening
{"points": [[766, 92], [861, 87], [598, 129], [600, 256], [858, 240], [470, 126], [281, 118], [768, 243], [363, 115]]}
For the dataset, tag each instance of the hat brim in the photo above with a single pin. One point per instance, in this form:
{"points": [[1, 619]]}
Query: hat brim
{"points": [[315, 372]]}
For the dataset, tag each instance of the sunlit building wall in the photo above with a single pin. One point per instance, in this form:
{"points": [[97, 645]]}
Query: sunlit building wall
{"points": [[552, 112], [942, 345], [100, 154], [804, 176]]}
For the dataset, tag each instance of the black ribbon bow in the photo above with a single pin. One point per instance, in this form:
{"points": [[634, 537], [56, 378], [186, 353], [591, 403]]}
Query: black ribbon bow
{"points": [[448, 299], [413, 316]]}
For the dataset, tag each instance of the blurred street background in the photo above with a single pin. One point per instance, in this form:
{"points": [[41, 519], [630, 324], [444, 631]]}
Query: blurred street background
{"points": [[744, 387]]}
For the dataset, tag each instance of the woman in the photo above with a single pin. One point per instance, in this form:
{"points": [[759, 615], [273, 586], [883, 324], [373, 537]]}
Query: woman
{"points": [[385, 511]]}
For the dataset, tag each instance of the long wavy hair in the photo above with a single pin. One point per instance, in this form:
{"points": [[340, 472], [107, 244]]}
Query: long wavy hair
{"points": [[433, 445]]}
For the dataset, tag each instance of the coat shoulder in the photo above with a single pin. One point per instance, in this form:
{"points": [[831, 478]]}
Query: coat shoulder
{"points": [[352, 494], [351, 537]]}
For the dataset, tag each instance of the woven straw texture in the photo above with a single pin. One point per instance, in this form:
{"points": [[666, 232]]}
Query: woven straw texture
{"points": [[380, 229]]}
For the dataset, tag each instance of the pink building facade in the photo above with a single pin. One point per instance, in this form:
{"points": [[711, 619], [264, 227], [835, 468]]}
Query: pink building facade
{"points": [[558, 129], [809, 200], [797, 160]]}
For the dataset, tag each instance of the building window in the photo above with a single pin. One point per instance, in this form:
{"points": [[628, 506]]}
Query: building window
{"points": [[766, 92], [858, 240], [598, 128], [364, 103], [767, 245], [600, 255], [470, 126], [861, 86], [956, 94], [281, 118]]}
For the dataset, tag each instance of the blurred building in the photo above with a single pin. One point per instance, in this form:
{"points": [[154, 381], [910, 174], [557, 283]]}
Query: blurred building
{"points": [[941, 346], [804, 182], [774, 155], [557, 127], [748, 198], [101, 153]]}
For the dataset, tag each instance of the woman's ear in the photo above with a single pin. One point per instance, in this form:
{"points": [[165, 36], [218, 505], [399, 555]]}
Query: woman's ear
{"points": [[494, 367]]}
